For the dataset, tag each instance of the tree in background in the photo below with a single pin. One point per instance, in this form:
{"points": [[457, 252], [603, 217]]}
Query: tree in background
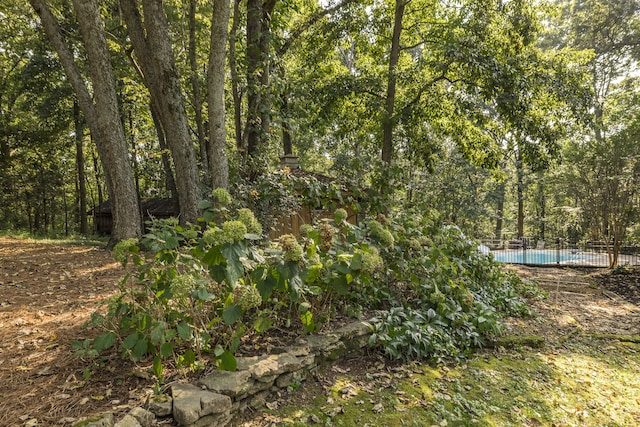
{"points": [[101, 110], [604, 172], [153, 49]]}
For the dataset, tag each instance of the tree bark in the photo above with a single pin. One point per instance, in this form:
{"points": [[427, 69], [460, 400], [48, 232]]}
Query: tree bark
{"points": [[500, 211], [169, 181], [235, 91], [520, 191], [152, 46], [103, 116], [265, 77], [124, 207], [218, 164], [388, 121], [82, 179], [195, 85], [254, 28]]}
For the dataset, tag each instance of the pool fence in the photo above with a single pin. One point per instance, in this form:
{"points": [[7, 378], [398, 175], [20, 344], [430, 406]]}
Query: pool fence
{"points": [[560, 252]]}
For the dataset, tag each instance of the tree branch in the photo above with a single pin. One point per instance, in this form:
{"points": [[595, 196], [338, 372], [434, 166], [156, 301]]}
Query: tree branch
{"points": [[309, 23]]}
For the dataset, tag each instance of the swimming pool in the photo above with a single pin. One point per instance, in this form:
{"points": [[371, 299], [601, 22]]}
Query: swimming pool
{"points": [[539, 256]]}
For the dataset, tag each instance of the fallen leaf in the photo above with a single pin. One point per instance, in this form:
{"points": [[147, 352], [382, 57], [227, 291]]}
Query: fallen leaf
{"points": [[334, 411], [272, 405]]}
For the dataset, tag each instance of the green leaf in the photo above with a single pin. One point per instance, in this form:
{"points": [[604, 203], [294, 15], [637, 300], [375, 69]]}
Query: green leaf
{"points": [[231, 314], [262, 324], [213, 257], [203, 295], [172, 242], [184, 331], [233, 253], [356, 261], [266, 286], [130, 341], [340, 285], [218, 272], [218, 351], [166, 349], [304, 307], [307, 321], [140, 348], [158, 333], [104, 341], [295, 287], [157, 366], [204, 204], [228, 361], [187, 359]]}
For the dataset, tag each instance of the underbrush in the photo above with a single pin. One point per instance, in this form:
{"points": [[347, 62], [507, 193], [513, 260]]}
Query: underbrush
{"points": [[197, 291]]}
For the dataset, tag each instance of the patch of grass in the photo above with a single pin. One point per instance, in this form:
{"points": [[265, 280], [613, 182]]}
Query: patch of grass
{"points": [[586, 382], [72, 240]]}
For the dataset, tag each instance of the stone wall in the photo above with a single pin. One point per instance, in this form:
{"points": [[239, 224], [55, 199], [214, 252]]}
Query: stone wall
{"points": [[215, 398]]}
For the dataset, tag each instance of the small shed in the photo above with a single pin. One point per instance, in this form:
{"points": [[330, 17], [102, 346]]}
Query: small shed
{"points": [[158, 208]]}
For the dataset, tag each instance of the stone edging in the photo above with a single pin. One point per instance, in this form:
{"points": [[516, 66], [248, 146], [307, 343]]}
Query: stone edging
{"points": [[215, 398]]}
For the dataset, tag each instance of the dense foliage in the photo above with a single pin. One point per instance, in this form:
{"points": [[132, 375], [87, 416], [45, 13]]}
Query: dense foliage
{"points": [[199, 290]]}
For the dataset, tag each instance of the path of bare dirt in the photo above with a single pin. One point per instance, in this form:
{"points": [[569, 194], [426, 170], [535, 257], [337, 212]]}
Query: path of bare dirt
{"points": [[47, 291]]}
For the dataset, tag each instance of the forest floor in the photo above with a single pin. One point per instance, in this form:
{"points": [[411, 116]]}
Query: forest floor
{"points": [[585, 373]]}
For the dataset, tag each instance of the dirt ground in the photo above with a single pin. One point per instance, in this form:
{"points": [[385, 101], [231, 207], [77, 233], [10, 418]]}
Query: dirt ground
{"points": [[48, 291]]}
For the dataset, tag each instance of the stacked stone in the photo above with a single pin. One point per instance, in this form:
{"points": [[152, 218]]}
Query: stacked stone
{"points": [[215, 398]]}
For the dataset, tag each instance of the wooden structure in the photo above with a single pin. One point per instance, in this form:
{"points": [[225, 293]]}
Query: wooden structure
{"points": [[165, 208], [150, 208], [307, 214]]}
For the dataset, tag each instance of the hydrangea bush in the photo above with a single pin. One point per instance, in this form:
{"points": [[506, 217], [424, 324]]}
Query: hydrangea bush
{"points": [[198, 290]]}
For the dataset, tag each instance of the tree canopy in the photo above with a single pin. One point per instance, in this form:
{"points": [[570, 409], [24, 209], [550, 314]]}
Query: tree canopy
{"points": [[208, 95]]}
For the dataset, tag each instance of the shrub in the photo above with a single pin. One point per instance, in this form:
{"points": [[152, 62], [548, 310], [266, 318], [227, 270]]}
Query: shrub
{"points": [[198, 289]]}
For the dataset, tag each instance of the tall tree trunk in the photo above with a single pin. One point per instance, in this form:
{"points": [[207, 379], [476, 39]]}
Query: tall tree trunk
{"points": [[169, 180], [542, 200], [96, 175], [265, 77], [82, 179], [152, 46], [287, 144], [388, 121], [219, 164], [500, 211], [520, 191], [195, 85], [102, 117], [254, 56], [235, 91]]}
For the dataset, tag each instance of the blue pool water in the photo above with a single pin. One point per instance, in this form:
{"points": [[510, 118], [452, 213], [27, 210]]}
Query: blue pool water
{"points": [[550, 256]]}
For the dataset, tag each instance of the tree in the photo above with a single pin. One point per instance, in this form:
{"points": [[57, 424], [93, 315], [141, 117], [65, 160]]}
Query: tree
{"points": [[219, 164], [607, 176], [152, 46], [605, 188], [101, 112]]}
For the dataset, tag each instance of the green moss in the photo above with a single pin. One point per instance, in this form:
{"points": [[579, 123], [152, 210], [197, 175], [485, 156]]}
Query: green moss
{"points": [[588, 383]]}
